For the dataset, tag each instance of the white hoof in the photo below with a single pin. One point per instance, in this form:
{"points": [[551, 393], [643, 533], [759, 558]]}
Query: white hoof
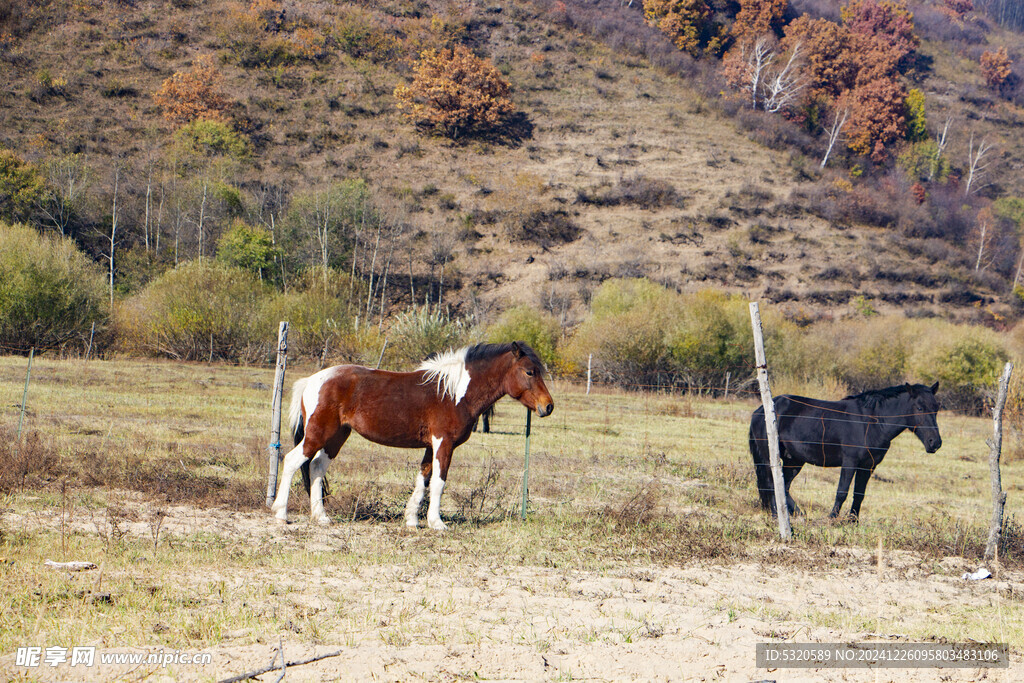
{"points": [[437, 525], [323, 520], [412, 522], [281, 520]]}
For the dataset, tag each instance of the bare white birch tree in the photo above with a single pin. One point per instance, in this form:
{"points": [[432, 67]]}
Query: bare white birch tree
{"points": [[67, 178], [940, 145], [977, 165], [771, 89], [112, 238], [783, 86], [982, 231], [839, 119]]}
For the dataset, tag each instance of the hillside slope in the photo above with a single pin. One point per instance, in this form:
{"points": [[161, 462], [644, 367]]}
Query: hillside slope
{"points": [[620, 168]]}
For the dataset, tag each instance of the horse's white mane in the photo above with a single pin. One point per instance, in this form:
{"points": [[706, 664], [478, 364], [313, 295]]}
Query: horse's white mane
{"points": [[448, 369]]}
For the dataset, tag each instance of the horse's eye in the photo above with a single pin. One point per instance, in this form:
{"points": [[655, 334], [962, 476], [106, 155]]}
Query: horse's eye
{"points": [[529, 373]]}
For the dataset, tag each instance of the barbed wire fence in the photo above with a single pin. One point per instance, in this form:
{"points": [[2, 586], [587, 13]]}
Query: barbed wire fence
{"points": [[736, 384]]}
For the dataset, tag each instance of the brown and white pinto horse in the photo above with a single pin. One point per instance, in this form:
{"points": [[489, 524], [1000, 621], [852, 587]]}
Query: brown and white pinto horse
{"points": [[433, 408]]}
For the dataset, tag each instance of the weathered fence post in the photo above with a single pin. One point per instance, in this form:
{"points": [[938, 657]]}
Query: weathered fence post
{"points": [[526, 469], [590, 359], [380, 358], [24, 398], [771, 427], [92, 333], [274, 448], [995, 445], [728, 376]]}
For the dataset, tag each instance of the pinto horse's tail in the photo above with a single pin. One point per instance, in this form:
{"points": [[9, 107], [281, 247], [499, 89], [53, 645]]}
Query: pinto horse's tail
{"points": [[762, 466], [295, 410], [297, 424]]}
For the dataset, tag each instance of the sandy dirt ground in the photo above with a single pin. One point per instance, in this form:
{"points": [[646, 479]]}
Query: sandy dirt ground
{"points": [[692, 622]]}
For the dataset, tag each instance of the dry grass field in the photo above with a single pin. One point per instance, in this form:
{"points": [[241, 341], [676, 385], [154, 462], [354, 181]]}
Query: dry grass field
{"points": [[643, 555]]}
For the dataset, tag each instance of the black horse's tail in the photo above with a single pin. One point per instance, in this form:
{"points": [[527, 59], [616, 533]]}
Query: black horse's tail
{"points": [[762, 466]]}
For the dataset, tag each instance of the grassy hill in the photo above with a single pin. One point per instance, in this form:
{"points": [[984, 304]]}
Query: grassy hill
{"points": [[627, 160]]}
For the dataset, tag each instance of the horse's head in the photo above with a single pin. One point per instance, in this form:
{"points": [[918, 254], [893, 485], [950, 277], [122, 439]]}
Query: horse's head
{"points": [[524, 380], [921, 418]]}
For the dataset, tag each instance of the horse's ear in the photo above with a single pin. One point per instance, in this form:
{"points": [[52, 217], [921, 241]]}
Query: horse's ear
{"points": [[517, 350], [935, 387]]}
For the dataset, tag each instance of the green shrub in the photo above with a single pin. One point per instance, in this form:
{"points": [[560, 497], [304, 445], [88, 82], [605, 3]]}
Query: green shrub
{"points": [[206, 139], [864, 354], [627, 332], [538, 329], [641, 333], [321, 314], [199, 311], [417, 334], [965, 360], [50, 293], [712, 336], [21, 187], [250, 248]]}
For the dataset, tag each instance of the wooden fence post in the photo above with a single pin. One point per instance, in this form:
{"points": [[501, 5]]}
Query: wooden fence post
{"points": [[92, 333], [995, 445], [590, 359], [728, 376], [274, 448], [771, 427]]}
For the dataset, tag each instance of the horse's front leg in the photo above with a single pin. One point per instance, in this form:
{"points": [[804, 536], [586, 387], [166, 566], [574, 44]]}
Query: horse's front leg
{"points": [[412, 508], [317, 471], [443, 446], [860, 484], [789, 472], [845, 477]]}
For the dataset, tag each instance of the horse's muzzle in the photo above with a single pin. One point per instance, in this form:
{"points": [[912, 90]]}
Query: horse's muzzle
{"points": [[544, 411], [931, 447]]}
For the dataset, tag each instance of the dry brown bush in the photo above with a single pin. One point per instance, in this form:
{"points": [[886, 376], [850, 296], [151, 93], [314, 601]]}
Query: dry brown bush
{"points": [[455, 92], [195, 94]]}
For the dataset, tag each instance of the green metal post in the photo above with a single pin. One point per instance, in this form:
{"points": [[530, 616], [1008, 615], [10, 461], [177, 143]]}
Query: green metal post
{"points": [[24, 398], [526, 469]]}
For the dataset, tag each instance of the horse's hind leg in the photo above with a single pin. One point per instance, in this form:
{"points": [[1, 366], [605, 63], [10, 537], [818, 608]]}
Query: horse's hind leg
{"points": [[412, 508]]}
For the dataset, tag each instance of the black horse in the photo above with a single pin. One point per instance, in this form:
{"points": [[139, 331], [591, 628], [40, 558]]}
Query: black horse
{"points": [[853, 433]]}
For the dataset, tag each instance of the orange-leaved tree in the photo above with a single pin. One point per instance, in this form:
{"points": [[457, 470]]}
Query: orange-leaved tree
{"points": [[757, 18], [195, 94], [455, 92], [996, 67], [877, 117], [684, 21], [830, 62]]}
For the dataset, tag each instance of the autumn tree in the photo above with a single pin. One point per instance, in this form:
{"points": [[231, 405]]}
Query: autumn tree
{"points": [[195, 94], [757, 18], [684, 21], [830, 64], [877, 117], [996, 67], [957, 9], [883, 31], [455, 93]]}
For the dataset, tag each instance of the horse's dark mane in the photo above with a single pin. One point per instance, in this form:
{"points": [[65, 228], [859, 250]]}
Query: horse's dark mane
{"points": [[874, 396], [489, 351]]}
